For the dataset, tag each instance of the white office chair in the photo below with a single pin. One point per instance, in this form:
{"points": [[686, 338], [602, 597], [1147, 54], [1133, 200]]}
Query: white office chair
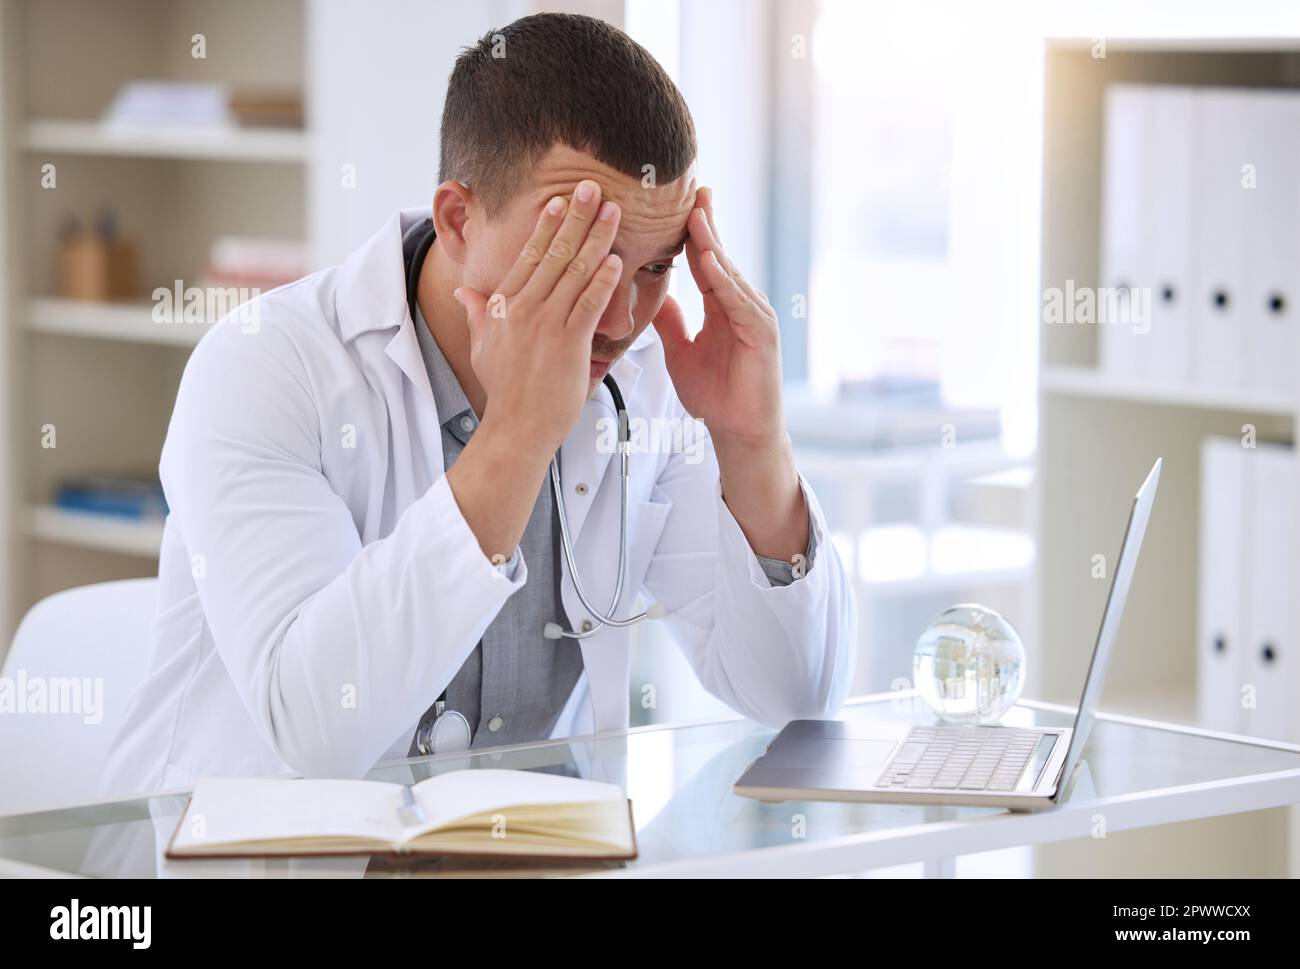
{"points": [[96, 632]]}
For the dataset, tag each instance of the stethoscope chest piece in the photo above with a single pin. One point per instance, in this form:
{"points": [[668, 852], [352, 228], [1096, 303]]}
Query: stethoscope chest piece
{"points": [[445, 733]]}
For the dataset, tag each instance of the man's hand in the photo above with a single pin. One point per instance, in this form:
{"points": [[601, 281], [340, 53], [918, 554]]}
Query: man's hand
{"points": [[729, 377], [530, 346], [530, 341]]}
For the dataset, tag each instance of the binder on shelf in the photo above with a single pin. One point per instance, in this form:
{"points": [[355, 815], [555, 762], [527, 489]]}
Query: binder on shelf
{"points": [[1221, 648], [1170, 117], [1120, 351], [1272, 666], [1218, 296], [1201, 214], [1247, 247], [1271, 213]]}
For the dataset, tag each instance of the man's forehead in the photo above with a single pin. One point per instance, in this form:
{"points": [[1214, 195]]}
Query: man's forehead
{"points": [[648, 205]]}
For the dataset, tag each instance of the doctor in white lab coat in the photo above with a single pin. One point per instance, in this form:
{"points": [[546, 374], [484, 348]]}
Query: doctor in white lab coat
{"points": [[320, 582]]}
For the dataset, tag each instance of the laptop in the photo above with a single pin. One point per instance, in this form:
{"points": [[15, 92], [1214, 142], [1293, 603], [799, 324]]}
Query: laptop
{"points": [[1021, 768]]}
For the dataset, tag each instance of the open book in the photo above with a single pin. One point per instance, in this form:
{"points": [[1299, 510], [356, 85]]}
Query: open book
{"points": [[499, 813]]}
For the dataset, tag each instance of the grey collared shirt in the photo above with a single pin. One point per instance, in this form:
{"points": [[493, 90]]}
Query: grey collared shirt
{"points": [[514, 685]]}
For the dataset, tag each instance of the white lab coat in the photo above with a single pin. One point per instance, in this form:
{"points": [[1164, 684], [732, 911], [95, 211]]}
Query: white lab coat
{"points": [[319, 586]]}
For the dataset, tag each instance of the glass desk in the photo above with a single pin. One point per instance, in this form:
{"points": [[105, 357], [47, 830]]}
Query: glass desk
{"points": [[1134, 773]]}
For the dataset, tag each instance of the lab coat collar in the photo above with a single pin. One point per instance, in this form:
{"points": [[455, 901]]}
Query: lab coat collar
{"points": [[372, 286], [371, 296]]}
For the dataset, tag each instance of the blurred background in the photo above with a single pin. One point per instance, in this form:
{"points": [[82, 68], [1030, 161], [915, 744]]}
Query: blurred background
{"points": [[908, 182]]}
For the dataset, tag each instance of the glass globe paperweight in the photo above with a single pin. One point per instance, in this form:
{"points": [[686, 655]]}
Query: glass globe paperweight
{"points": [[969, 665]]}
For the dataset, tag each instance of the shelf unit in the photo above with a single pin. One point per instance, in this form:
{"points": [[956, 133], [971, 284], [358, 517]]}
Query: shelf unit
{"points": [[80, 530], [105, 376], [91, 138], [129, 322], [1098, 435], [1089, 382]]}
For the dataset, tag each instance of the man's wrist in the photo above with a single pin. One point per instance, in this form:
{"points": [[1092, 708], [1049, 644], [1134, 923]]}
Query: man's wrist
{"points": [[760, 485], [515, 444], [770, 451]]}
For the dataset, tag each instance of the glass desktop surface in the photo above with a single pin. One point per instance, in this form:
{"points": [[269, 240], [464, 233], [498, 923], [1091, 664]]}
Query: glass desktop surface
{"points": [[679, 779]]}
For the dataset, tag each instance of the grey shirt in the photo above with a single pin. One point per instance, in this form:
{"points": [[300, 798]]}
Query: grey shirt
{"points": [[514, 685]]}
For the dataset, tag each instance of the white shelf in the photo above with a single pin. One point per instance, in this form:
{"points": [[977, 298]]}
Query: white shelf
{"points": [[1090, 382], [236, 144], [85, 530], [130, 322]]}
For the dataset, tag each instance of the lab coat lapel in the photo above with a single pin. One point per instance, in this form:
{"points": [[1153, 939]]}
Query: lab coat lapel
{"points": [[371, 299], [404, 350], [583, 462]]}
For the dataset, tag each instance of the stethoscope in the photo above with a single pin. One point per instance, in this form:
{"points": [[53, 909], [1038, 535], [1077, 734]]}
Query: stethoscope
{"points": [[450, 726]]}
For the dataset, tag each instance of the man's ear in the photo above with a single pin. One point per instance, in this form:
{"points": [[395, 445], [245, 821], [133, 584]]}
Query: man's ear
{"points": [[451, 211]]}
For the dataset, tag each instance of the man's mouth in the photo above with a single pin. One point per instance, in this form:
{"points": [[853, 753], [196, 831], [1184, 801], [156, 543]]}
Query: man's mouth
{"points": [[599, 368]]}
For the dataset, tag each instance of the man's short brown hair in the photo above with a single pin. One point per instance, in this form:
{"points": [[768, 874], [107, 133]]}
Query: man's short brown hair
{"points": [[559, 78]]}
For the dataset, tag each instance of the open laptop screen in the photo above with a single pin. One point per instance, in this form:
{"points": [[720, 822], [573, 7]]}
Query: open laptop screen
{"points": [[1139, 514]]}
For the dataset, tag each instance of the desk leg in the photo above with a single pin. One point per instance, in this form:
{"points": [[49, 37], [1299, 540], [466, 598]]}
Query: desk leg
{"points": [[939, 868]]}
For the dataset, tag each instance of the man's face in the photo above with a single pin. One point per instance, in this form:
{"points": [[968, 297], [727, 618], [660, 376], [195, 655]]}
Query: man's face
{"points": [[651, 231]]}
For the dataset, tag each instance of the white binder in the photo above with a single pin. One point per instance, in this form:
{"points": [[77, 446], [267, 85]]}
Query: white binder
{"points": [[1123, 250], [1221, 646], [1272, 239], [1272, 665], [1171, 126], [1225, 145], [1201, 212]]}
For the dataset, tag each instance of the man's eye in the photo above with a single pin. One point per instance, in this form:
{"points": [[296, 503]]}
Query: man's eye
{"points": [[659, 268]]}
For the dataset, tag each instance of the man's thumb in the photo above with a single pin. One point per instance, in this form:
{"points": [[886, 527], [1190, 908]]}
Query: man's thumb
{"points": [[475, 304]]}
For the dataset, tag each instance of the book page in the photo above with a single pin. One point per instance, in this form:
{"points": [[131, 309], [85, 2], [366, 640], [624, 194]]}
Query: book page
{"points": [[236, 810], [465, 792]]}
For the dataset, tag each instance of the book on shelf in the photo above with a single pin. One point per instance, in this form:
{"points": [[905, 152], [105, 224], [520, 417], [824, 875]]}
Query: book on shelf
{"points": [[113, 496]]}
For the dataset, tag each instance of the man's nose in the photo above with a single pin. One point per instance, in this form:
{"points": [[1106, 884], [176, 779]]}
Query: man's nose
{"points": [[616, 322]]}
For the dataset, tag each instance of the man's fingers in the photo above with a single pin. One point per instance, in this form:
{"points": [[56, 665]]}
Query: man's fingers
{"points": [[567, 242], [707, 234], [707, 205], [701, 231], [548, 223], [591, 304], [726, 289], [584, 265]]}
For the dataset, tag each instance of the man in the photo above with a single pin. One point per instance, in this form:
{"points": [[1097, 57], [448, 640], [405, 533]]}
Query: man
{"points": [[363, 532]]}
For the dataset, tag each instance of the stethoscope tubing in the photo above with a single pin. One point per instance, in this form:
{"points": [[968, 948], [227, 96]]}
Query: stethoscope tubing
{"points": [[601, 618]]}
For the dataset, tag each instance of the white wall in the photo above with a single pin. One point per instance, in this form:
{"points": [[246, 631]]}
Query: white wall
{"points": [[723, 72], [378, 72]]}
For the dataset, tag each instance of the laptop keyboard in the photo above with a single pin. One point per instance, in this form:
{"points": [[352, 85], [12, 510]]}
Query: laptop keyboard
{"points": [[963, 758]]}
